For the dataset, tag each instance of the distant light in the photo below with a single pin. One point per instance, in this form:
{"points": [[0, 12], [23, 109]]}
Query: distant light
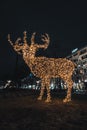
{"points": [[85, 80], [31, 75], [79, 65], [9, 81], [74, 50], [30, 86]]}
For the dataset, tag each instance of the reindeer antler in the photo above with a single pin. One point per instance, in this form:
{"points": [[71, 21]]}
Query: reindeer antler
{"points": [[32, 38], [9, 40], [17, 41], [46, 39], [25, 37], [15, 45]]}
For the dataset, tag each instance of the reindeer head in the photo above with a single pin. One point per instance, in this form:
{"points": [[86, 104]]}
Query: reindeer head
{"points": [[24, 48]]}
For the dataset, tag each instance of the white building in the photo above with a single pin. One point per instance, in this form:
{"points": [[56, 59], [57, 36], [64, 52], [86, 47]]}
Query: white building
{"points": [[79, 56]]}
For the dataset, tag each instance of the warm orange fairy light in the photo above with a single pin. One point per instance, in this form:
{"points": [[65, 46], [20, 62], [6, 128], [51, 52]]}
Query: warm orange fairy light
{"points": [[43, 67]]}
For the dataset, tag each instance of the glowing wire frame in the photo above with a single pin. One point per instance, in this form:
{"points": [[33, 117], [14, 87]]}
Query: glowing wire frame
{"points": [[43, 67]]}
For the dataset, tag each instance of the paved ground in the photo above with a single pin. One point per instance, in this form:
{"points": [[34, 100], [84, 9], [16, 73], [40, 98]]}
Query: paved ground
{"points": [[19, 110]]}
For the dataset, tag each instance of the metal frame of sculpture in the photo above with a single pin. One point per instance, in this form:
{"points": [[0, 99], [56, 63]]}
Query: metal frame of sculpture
{"points": [[43, 67]]}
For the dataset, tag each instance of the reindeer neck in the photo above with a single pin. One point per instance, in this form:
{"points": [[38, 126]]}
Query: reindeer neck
{"points": [[29, 60], [32, 52], [29, 55]]}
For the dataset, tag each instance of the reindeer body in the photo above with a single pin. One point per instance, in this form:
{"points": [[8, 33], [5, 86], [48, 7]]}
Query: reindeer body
{"points": [[47, 68], [42, 66]]}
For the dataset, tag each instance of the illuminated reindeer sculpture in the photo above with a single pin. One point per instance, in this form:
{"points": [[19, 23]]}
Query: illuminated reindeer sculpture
{"points": [[43, 67]]}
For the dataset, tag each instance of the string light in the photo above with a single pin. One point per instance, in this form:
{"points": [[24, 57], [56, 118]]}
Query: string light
{"points": [[43, 67]]}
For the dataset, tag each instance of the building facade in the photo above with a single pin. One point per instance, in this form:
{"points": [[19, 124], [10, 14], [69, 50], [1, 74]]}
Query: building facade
{"points": [[79, 56]]}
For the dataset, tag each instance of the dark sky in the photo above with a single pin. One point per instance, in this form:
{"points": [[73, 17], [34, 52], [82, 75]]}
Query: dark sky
{"points": [[65, 22]]}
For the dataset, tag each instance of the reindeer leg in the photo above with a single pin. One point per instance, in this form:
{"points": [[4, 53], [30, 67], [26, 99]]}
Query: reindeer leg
{"points": [[48, 90], [42, 89], [68, 96]]}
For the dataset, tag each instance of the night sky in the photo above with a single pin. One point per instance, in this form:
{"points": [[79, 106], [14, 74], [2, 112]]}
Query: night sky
{"points": [[65, 22]]}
